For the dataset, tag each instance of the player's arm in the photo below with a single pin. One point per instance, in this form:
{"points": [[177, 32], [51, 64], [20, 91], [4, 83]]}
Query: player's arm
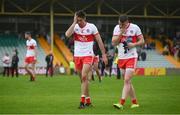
{"points": [[70, 30], [140, 40], [138, 43], [101, 46], [35, 50], [116, 38]]}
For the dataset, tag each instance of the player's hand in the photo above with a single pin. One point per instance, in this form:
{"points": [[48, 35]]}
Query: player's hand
{"points": [[75, 18], [123, 30], [131, 45], [104, 57]]}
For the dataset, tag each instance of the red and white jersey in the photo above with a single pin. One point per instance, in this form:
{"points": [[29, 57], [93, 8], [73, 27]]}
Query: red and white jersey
{"points": [[83, 40], [131, 35], [31, 45]]}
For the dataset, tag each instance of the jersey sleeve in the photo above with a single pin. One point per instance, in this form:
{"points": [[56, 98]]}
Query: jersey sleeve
{"points": [[138, 31], [26, 43], [75, 28], [35, 43], [116, 31], [94, 30]]}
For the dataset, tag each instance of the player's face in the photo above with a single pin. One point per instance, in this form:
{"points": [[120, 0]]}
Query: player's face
{"points": [[81, 22], [26, 36], [123, 24]]}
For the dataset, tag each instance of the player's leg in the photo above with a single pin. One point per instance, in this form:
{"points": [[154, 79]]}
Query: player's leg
{"points": [[90, 75], [28, 70], [127, 84], [85, 84], [4, 71], [133, 97], [126, 88], [17, 73], [52, 71], [33, 71], [78, 66], [8, 70], [121, 102], [132, 63], [12, 71], [132, 92], [97, 71], [28, 61], [47, 70]]}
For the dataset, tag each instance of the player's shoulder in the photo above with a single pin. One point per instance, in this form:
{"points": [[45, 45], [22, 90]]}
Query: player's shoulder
{"points": [[33, 40], [91, 25], [76, 26], [134, 25], [116, 27]]}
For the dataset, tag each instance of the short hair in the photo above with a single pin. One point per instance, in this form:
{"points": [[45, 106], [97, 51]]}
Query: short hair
{"points": [[81, 14], [16, 51], [123, 18], [28, 33]]}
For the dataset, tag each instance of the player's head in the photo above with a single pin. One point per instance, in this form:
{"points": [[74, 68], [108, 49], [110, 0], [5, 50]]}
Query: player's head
{"points": [[81, 18], [123, 20], [28, 35], [15, 52]]}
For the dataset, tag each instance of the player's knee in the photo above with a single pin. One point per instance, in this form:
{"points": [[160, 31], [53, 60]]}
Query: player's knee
{"points": [[122, 74], [84, 78], [26, 67], [127, 81]]}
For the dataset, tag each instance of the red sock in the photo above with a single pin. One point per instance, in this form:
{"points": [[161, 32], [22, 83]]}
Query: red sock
{"points": [[88, 100], [122, 101], [134, 101], [83, 99]]}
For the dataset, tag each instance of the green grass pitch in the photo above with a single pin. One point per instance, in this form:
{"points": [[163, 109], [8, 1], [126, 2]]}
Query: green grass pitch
{"points": [[61, 95]]}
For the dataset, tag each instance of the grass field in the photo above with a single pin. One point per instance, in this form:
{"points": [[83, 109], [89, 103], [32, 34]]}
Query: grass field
{"points": [[61, 94]]}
